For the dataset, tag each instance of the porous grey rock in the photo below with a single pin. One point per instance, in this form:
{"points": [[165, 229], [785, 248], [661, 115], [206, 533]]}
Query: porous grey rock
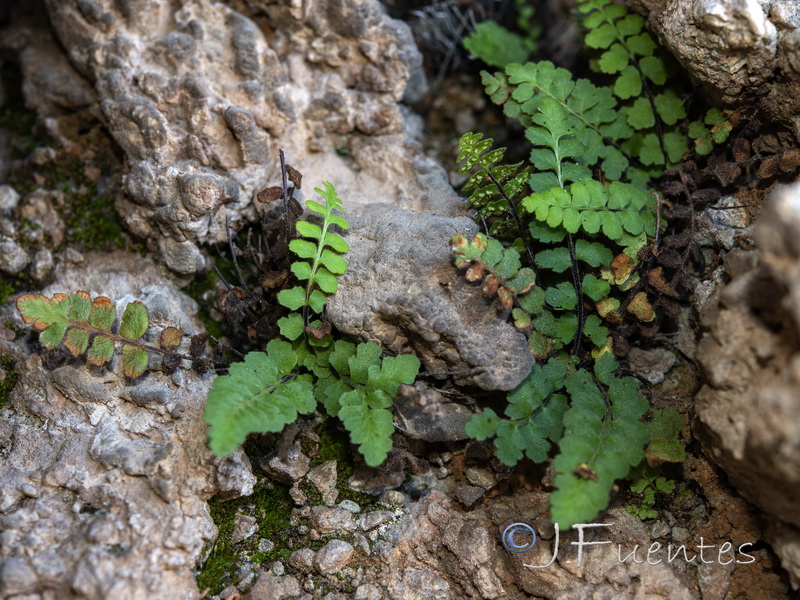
{"points": [[735, 49], [333, 557], [437, 551], [289, 468], [43, 265], [302, 560], [13, 257], [271, 587], [481, 477], [469, 494], [651, 365], [748, 411], [244, 526], [350, 506], [97, 488], [9, 198], [200, 100], [720, 226], [374, 519], [367, 591], [405, 294]]}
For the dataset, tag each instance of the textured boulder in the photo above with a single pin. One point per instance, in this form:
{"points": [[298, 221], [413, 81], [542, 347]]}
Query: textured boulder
{"points": [[739, 52], [200, 100], [104, 480], [438, 552], [405, 293], [749, 411]]}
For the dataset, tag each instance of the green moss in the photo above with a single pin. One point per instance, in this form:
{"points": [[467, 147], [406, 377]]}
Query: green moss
{"points": [[9, 377], [273, 510], [334, 444]]}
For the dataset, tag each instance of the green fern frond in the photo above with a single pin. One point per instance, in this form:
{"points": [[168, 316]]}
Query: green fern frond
{"points": [[78, 320], [323, 248], [494, 187], [260, 394], [603, 438], [359, 389]]}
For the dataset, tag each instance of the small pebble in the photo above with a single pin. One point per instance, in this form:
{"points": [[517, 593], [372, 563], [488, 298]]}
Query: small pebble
{"points": [[349, 505]]}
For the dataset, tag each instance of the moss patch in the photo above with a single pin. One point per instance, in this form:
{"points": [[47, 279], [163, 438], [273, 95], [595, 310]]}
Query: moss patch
{"points": [[271, 505]]}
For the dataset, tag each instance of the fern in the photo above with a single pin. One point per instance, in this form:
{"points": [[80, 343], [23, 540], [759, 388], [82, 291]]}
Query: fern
{"points": [[351, 381], [261, 394], [603, 438], [646, 480], [705, 138], [323, 248], [78, 320], [583, 213], [497, 46]]}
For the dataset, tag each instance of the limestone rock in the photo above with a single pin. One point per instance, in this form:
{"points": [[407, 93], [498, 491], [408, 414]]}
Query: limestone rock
{"points": [[735, 49], [200, 100], [333, 556], [402, 291], [749, 413], [422, 413], [440, 552], [103, 478]]}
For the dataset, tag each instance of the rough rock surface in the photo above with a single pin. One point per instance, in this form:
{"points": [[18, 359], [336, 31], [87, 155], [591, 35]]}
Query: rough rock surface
{"points": [[103, 481], [740, 52], [419, 301], [749, 411], [200, 98], [438, 552]]}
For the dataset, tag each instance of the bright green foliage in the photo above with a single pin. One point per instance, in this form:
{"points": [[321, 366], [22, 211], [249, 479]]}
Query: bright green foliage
{"points": [[647, 481], [621, 211], [535, 416], [261, 394], [603, 438], [352, 381], [323, 248], [664, 428], [357, 385], [705, 138], [629, 130], [584, 210], [86, 327], [497, 46]]}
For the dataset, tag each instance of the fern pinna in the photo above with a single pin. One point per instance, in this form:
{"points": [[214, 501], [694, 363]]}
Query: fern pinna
{"points": [[352, 381], [88, 326], [585, 214]]}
